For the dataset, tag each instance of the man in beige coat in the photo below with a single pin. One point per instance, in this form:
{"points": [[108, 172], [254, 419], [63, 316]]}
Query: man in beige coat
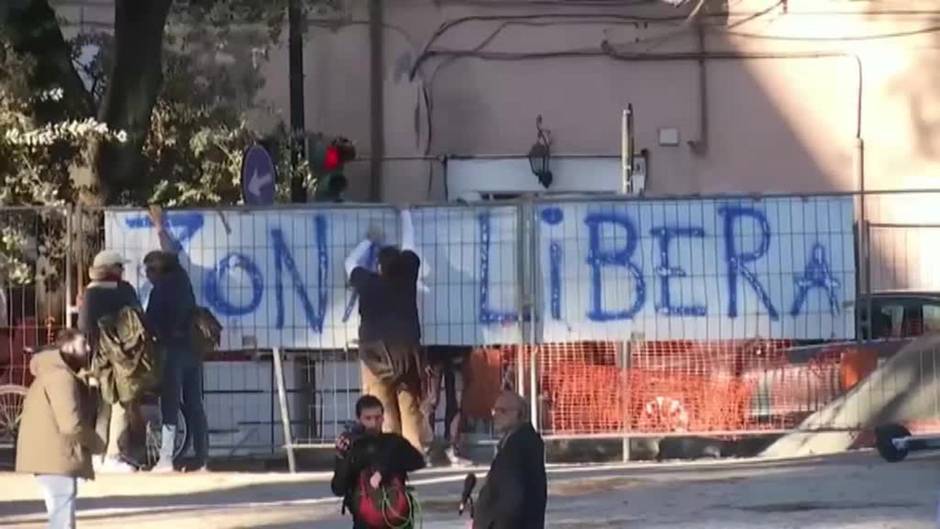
{"points": [[57, 434]]}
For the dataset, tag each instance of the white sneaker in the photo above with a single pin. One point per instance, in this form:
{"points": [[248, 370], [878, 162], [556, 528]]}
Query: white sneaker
{"points": [[114, 465], [163, 466], [167, 439], [455, 460]]}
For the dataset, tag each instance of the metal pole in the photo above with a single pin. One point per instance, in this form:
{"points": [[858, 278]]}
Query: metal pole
{"points": [[626, 150], [376, 98], [864, 239], [624, 361], [532, 305], [295, 21], [67, 322], [867, 257], [285, 413], [521, 300]]}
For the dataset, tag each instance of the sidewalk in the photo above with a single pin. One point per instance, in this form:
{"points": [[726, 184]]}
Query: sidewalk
{"points": [[855, 491]]}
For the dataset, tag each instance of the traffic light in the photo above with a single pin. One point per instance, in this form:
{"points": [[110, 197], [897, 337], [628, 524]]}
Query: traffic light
{"points": [[327, 158]]}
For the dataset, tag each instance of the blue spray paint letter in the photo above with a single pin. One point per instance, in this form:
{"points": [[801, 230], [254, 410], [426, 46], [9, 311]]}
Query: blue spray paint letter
{"points": [[665, 271], [554, 216], [488, 315], [598, 258], [817, 275], [284, 259], [738, 259], [213, 285]]}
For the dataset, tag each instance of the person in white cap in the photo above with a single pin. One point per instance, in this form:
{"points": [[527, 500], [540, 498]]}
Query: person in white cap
{"points": [[106, 294]]}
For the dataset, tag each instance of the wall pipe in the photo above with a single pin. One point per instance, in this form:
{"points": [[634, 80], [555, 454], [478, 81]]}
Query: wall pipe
{"points": [[376, 98], [699, 145]]}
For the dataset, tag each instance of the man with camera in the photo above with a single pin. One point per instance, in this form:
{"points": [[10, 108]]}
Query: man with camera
{"points": [[371, 470]]}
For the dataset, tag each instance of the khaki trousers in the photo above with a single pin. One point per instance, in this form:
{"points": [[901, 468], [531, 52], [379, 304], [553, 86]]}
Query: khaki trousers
{"points": [[402, 408]]}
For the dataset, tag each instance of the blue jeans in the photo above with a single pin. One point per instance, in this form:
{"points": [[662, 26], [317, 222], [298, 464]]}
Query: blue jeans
{"points": [[182, 376], [59, 493]]}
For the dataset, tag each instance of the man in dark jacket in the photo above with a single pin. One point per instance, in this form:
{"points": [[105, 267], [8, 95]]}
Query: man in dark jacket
{"points": [[515, 491], [170, 310], [365, 453], [390, 331]]}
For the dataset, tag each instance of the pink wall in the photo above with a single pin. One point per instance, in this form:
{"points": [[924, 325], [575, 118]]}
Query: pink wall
{"points": [[774, 125]]}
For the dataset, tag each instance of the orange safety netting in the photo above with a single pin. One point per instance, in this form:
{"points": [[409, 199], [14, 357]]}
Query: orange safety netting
{"points": [[678, 386], [687, 386]]}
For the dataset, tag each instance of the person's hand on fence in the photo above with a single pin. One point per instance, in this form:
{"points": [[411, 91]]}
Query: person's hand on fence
{"points": [[156, 215]]}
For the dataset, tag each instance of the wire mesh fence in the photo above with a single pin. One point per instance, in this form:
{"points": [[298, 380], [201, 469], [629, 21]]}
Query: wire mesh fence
{"points": [[33, 287], [615, 317]]}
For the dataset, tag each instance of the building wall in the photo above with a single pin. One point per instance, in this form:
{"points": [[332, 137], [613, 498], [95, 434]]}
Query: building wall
{"points": [[773, 124]]}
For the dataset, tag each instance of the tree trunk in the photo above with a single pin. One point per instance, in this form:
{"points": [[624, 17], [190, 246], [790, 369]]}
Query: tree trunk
{"points": [[136, 78], [34, 31]]}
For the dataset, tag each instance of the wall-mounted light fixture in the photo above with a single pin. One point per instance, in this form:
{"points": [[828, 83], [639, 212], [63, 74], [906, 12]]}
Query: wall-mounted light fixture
{"points": [[541, 153]]}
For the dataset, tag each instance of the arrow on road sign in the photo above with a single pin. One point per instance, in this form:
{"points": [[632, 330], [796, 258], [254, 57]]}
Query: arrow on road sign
{"points": [[258, 176], [257, 182]]}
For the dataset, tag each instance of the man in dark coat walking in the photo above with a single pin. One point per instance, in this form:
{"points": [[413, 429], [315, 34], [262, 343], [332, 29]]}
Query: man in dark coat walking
{"points": [[515, 491]]}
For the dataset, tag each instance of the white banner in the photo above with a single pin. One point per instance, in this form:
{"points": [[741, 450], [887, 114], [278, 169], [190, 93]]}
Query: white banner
{"points": [[683, 269], [697, 269], [276, 277]]}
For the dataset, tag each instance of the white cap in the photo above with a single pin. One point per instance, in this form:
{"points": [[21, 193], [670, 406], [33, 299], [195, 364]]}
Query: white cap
{"points": [[108, 258]]}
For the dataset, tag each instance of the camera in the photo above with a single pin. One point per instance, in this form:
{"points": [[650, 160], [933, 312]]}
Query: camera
{"points": [[354, 431]]}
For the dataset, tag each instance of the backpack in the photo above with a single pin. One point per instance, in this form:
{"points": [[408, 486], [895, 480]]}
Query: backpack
{"points": [[128, 363], [206, 332], [387, 507]]}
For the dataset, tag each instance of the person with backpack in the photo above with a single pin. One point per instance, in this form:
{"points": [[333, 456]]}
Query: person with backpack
{"points": [[56, 435], [390, 331], [105, 295], [170, 311], [371, 471]]}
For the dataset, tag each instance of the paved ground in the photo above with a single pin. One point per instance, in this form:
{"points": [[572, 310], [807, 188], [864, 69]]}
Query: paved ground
{"points": [[854, 491]]}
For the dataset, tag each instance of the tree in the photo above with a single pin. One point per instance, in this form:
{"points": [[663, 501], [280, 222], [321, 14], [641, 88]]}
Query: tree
{"points": [[135, 75], [150, 124], [35, 158]]}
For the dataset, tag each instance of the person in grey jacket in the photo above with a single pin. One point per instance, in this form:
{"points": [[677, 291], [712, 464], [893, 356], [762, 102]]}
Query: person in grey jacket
{"points": [[105, 295], [170, 312]]}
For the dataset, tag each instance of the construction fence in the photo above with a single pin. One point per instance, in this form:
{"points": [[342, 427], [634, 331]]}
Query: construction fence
{"points": [[615, 317]]}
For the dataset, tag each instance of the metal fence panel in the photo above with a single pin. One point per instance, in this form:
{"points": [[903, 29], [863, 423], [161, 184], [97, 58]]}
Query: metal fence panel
{"points": [[275, 278], [33, 284], [617, 317]]}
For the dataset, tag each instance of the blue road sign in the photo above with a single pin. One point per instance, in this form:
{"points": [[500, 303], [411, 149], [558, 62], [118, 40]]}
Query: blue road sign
{"points": [[258, 176]]}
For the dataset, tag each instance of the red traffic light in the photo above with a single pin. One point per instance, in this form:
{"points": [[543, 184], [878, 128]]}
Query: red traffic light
{"points": [[332, 160]]}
